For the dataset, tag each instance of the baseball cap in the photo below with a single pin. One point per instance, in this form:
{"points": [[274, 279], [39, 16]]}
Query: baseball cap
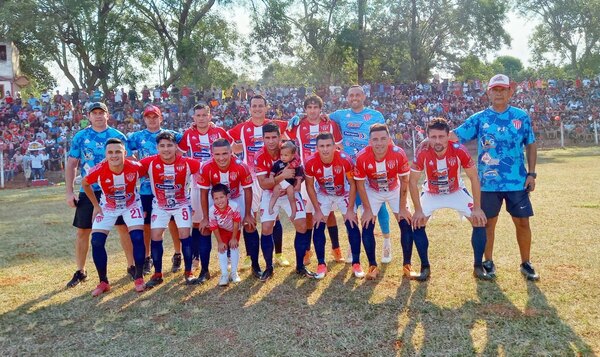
{"points": [[152, 109], [97, 105], [499, 80]]}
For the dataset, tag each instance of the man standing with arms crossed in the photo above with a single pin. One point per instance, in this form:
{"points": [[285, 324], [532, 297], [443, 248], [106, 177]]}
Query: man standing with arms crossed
{"points": [[87, 150]]}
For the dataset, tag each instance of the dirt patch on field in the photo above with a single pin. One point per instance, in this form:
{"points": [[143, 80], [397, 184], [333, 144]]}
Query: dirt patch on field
{"points": [[14, 280]]}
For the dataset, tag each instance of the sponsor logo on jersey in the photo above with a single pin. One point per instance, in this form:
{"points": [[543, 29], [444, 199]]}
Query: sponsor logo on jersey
{"points": [[157, 166], [318, 171], [353, 125], [248, 130], [430, 162], [486, 125], [370, 167], [107, 181]]}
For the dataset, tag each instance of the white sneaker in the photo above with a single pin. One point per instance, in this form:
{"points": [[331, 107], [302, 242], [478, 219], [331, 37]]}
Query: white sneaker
{"points": [[224, 280], [349, 256], [234, 277], [387, 253]]}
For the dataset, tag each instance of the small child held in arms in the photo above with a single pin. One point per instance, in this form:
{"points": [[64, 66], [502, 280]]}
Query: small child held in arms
{"points": [[287, 158], [224, 221]]}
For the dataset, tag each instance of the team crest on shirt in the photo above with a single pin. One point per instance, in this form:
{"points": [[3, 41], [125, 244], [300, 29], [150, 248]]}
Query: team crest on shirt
{"points": [[213, 137], [391, 164], [517, 123], [367, 117], [233, 176], [130, 177], [451, 161], [180, 168]]}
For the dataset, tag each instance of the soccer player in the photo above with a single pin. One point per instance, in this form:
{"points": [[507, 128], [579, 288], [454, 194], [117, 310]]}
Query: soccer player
{"points": [[249, 140], [264, 162], [381, 175], [443, 187], [143, 144], [225, 168], [117, 177], [170, 175], [305, 133], [87, 150], [196, 143], [332, 171], [354, 124], [502, 131]]}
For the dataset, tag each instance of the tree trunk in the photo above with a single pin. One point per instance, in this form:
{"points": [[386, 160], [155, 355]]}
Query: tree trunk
{"points": [[360, 59]]}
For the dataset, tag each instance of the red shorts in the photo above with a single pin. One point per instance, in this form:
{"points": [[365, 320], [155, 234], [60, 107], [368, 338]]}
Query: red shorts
{"points": [[225, 235]]}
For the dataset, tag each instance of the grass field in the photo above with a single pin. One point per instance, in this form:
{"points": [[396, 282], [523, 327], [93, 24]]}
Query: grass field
{"points": [[452, 314]]}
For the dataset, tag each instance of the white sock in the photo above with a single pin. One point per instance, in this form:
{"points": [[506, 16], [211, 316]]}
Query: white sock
{"points": [[387, 242], [223, 263], [235, 258]]}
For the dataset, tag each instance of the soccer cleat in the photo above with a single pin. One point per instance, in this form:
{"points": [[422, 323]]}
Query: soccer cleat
{"points": [[307, 256], [321, 271], [154, 281], [224, 280], [148, 264], [337, 255], [281, 260], [357, 270], [101, 288], [528, 272], [266, 274], [408, 272], [479, 273], [176, 260], [372, 273], [349, 256], [203, 277], [490, 268], [304, 272], [195, 264], [387, 252], [139, 285], [235, 277], [425, 273], [189, 278], [257, 273], [131, 272], [247, 263], [78, 277]]}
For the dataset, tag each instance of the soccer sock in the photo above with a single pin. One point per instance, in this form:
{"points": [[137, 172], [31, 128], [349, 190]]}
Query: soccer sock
{"points": [[205, 248], [406, 241], [247, 243], [253, 246], [235, 258], [354, 238], [266, 244], [310, 234], [319, 242], [223, 262], [422, 244], [195, 243], [301, 244], [99, 254], [383, 216], [186, 251], [278, 237], [139, 251], [334, 237], [368, 239], [156, 249], [478, 240]]}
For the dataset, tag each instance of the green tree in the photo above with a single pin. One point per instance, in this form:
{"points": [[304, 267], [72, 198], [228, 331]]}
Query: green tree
{"points": [[512, 66]]}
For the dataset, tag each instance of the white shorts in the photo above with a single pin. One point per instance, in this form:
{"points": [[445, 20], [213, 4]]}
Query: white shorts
{"points": [[257, 193], [240, 203], [133, 216], [307, 202], [282, 202], [161, 217], [376, 199], [460, 201], [329, 203], [195, 201]]}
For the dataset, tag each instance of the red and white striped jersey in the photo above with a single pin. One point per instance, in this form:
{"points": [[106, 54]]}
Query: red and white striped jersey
{"points": [[169, 182]]}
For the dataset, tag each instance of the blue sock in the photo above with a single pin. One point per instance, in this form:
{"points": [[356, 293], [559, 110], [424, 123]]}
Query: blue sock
{"points": [[478, 240], [252, 247], [354, 239], [266, 244], [406, 241], [278, 237], [139, 251], [422, 243], [99, 254], [156, 250], [247, 244], [319, 242], [205, 248], [368, 238], [301, 244], [310, 233], [334, 237], [186, 251], [383, 216], [195, 243]]}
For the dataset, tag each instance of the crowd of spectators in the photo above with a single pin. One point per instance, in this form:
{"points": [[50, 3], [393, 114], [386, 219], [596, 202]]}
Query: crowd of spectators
{"points": [[51, 119]]}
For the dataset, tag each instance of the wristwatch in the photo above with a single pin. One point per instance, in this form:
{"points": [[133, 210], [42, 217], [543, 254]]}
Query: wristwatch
{"points": [[532, 174]]}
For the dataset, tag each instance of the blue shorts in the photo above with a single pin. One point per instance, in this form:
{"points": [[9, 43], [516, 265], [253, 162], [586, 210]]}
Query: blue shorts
{"points": [[517, 203]]}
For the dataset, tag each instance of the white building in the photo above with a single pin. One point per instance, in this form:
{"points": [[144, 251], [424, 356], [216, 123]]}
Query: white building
{"points": [[10, 74]]}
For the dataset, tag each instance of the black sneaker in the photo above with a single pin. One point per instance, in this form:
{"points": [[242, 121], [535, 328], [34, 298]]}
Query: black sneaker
{"points": [[78, 277], [155, 280], [479, 273], [425, 273], [266, 274], [176, 260], [528, 272], [257, 272], [203, 277], [148, 264], [304, 272], [131, 272], [190, 280], [490, 268]]}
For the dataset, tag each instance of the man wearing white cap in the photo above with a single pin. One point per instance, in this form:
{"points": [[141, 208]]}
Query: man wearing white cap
{"points": [[502, 131]]}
